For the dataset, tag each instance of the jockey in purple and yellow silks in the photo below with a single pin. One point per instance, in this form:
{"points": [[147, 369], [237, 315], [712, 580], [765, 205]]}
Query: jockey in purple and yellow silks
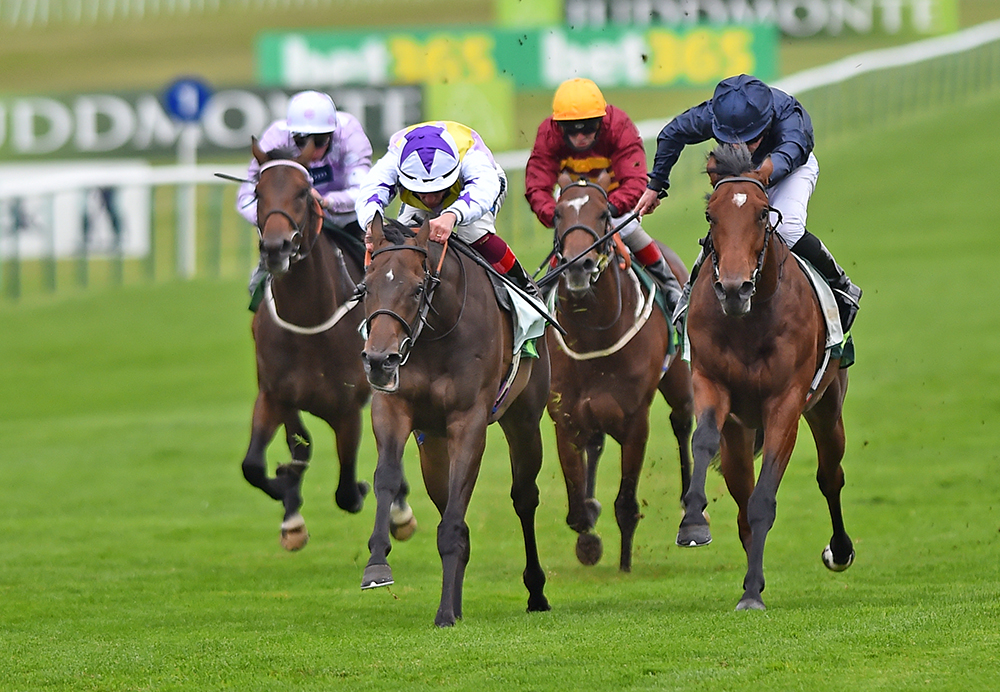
{"points": [[444, 172]]}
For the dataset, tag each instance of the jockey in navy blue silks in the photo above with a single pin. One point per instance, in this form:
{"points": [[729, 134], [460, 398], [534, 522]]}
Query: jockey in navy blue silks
{"points": [[779, 134]]}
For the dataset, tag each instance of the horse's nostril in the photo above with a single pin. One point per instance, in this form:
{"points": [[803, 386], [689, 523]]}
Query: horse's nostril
{"points": [[392, 361]]}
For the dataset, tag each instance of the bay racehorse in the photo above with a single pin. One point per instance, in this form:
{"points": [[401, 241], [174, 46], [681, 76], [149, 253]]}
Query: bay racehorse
{"points": [[758, 358], [308, 349], [609, 366], [438, 351]]}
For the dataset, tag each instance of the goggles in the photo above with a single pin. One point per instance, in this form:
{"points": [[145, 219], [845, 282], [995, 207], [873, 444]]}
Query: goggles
{"points": [[320, 139], [580, 127]]}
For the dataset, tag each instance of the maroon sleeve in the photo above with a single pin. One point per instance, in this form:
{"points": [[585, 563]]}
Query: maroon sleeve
{"points": [[542, 171], [628, 159]]}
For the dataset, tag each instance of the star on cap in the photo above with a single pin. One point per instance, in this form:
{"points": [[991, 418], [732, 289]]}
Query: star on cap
{"points": [[425, 140]]}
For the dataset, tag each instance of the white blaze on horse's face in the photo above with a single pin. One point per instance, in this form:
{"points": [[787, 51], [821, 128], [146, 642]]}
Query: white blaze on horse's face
{"points": [[578, 203], [389, 275], [739, 199]]}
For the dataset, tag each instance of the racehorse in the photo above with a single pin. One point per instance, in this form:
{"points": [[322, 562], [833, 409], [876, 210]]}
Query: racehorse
{"points": [[308, 349], [608, 367], [757, 338], [438, 351]]}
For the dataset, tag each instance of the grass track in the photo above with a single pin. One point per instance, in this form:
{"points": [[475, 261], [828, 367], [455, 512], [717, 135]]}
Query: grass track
{"points": [[133, 556]]}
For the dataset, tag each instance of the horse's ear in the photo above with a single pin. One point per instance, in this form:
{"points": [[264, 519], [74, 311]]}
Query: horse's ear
{"points": [[564, 180], [710, 167], [258, 153], [423, 234], [378, 234], [305, 157], [604, 179]]}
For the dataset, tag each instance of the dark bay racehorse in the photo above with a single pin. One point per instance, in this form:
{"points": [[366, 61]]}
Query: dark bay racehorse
{"points": [[608, 367], [307, 344], [757, 338], [436, 359]]}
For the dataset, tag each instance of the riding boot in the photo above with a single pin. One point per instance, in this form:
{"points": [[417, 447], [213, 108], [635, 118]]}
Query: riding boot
{"points": [[666, 281], [520, 278], [847, 295]]}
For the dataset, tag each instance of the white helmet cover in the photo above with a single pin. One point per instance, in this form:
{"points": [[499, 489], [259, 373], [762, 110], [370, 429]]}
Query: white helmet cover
{"points": [[310, 112], [428, 159]]}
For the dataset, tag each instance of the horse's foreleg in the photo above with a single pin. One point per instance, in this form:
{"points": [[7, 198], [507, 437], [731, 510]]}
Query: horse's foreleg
{"points": [[827, 425], [736, 455], [350, 493], [524, 440], [694, 530], [465, 446], [675, 386], [583, 509], [392, 423], [626, 505], [780, 430]]}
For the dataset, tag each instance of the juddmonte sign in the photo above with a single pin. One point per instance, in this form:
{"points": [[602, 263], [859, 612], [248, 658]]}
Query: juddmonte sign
{"points": [[136, 123], [794, 17], [612, 56]]}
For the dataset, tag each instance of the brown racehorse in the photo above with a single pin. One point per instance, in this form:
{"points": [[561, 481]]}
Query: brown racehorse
{"points": [[757, 338], [608, 367], [436, 356], [307, 344]]}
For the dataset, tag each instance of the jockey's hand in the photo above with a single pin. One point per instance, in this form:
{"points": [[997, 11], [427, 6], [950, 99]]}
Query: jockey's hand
{"points": [[649, 201], [765, 170], [441, 226], [318, 197]]}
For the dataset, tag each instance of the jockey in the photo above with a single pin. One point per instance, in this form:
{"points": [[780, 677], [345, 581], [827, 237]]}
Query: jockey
{"points": [[342, 157], [583, 137], [778, 132], [444, 172]]}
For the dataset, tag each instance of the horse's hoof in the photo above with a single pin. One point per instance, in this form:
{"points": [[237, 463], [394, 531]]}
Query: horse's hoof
{"points": [[831, 564], [750, 603], [538, 604], [589, 548], [376, 576], [694, 536], [402, 523], [294, 535]]}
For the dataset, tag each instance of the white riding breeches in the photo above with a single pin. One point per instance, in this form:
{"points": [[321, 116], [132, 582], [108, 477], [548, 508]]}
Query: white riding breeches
{"points": [[791, 198]]}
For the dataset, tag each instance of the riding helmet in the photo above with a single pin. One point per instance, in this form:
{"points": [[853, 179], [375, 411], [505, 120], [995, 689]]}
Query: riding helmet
{"points": [[742, 109], [578, 99], [311, 112], [428, 159]]}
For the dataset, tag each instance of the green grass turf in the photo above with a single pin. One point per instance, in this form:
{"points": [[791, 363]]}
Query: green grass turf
{"points": [[133, 556]]}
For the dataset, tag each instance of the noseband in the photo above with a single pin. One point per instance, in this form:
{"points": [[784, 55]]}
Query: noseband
{"points": [[769, 230], [300, 227]]}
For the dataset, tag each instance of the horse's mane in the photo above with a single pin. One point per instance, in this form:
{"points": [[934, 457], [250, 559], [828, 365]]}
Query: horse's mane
{"points": [[280, 153], [728, 160], [396, 232]]}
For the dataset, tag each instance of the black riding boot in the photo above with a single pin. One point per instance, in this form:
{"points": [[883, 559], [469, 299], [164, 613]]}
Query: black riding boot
{"points": [[665, 279], [847, 295], [520, 278]]}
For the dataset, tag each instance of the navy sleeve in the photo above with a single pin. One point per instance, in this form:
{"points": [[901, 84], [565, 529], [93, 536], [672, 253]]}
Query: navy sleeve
{"points": [[690, 127], [791, 134]]}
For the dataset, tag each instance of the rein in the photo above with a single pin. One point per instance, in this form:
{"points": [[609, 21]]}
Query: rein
{"points": [[769, 230]]}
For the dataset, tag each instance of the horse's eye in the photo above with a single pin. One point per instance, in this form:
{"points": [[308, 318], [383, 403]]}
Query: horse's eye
{"points": [[708, 217], [418, 291]]}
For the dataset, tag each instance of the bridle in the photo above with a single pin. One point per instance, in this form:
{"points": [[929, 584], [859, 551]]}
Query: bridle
{"points": [[769, 230], [606, 246], [432, 279], [299, 226]]}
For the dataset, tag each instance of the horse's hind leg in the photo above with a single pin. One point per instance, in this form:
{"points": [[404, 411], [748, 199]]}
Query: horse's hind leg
{"points": [[827, 425], [350, 493], [675, 386]]}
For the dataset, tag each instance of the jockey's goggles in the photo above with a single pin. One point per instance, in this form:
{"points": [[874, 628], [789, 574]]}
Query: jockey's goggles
{"points": [[320, 139], [580, 127]]}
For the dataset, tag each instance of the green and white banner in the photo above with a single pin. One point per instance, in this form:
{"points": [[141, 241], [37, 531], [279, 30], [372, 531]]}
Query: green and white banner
{"points": [[532, 57]]}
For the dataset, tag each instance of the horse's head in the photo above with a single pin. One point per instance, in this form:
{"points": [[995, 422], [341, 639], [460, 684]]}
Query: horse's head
{"points": [[740, 228], [398, 289], [288, 217], [582, 217]]}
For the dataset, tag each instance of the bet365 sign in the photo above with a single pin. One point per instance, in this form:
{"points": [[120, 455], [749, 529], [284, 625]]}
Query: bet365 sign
{"points": [[541, 57]]}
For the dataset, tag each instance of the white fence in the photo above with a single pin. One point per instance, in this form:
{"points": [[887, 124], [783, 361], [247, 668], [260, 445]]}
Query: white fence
{"points": [[848, 94]]}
